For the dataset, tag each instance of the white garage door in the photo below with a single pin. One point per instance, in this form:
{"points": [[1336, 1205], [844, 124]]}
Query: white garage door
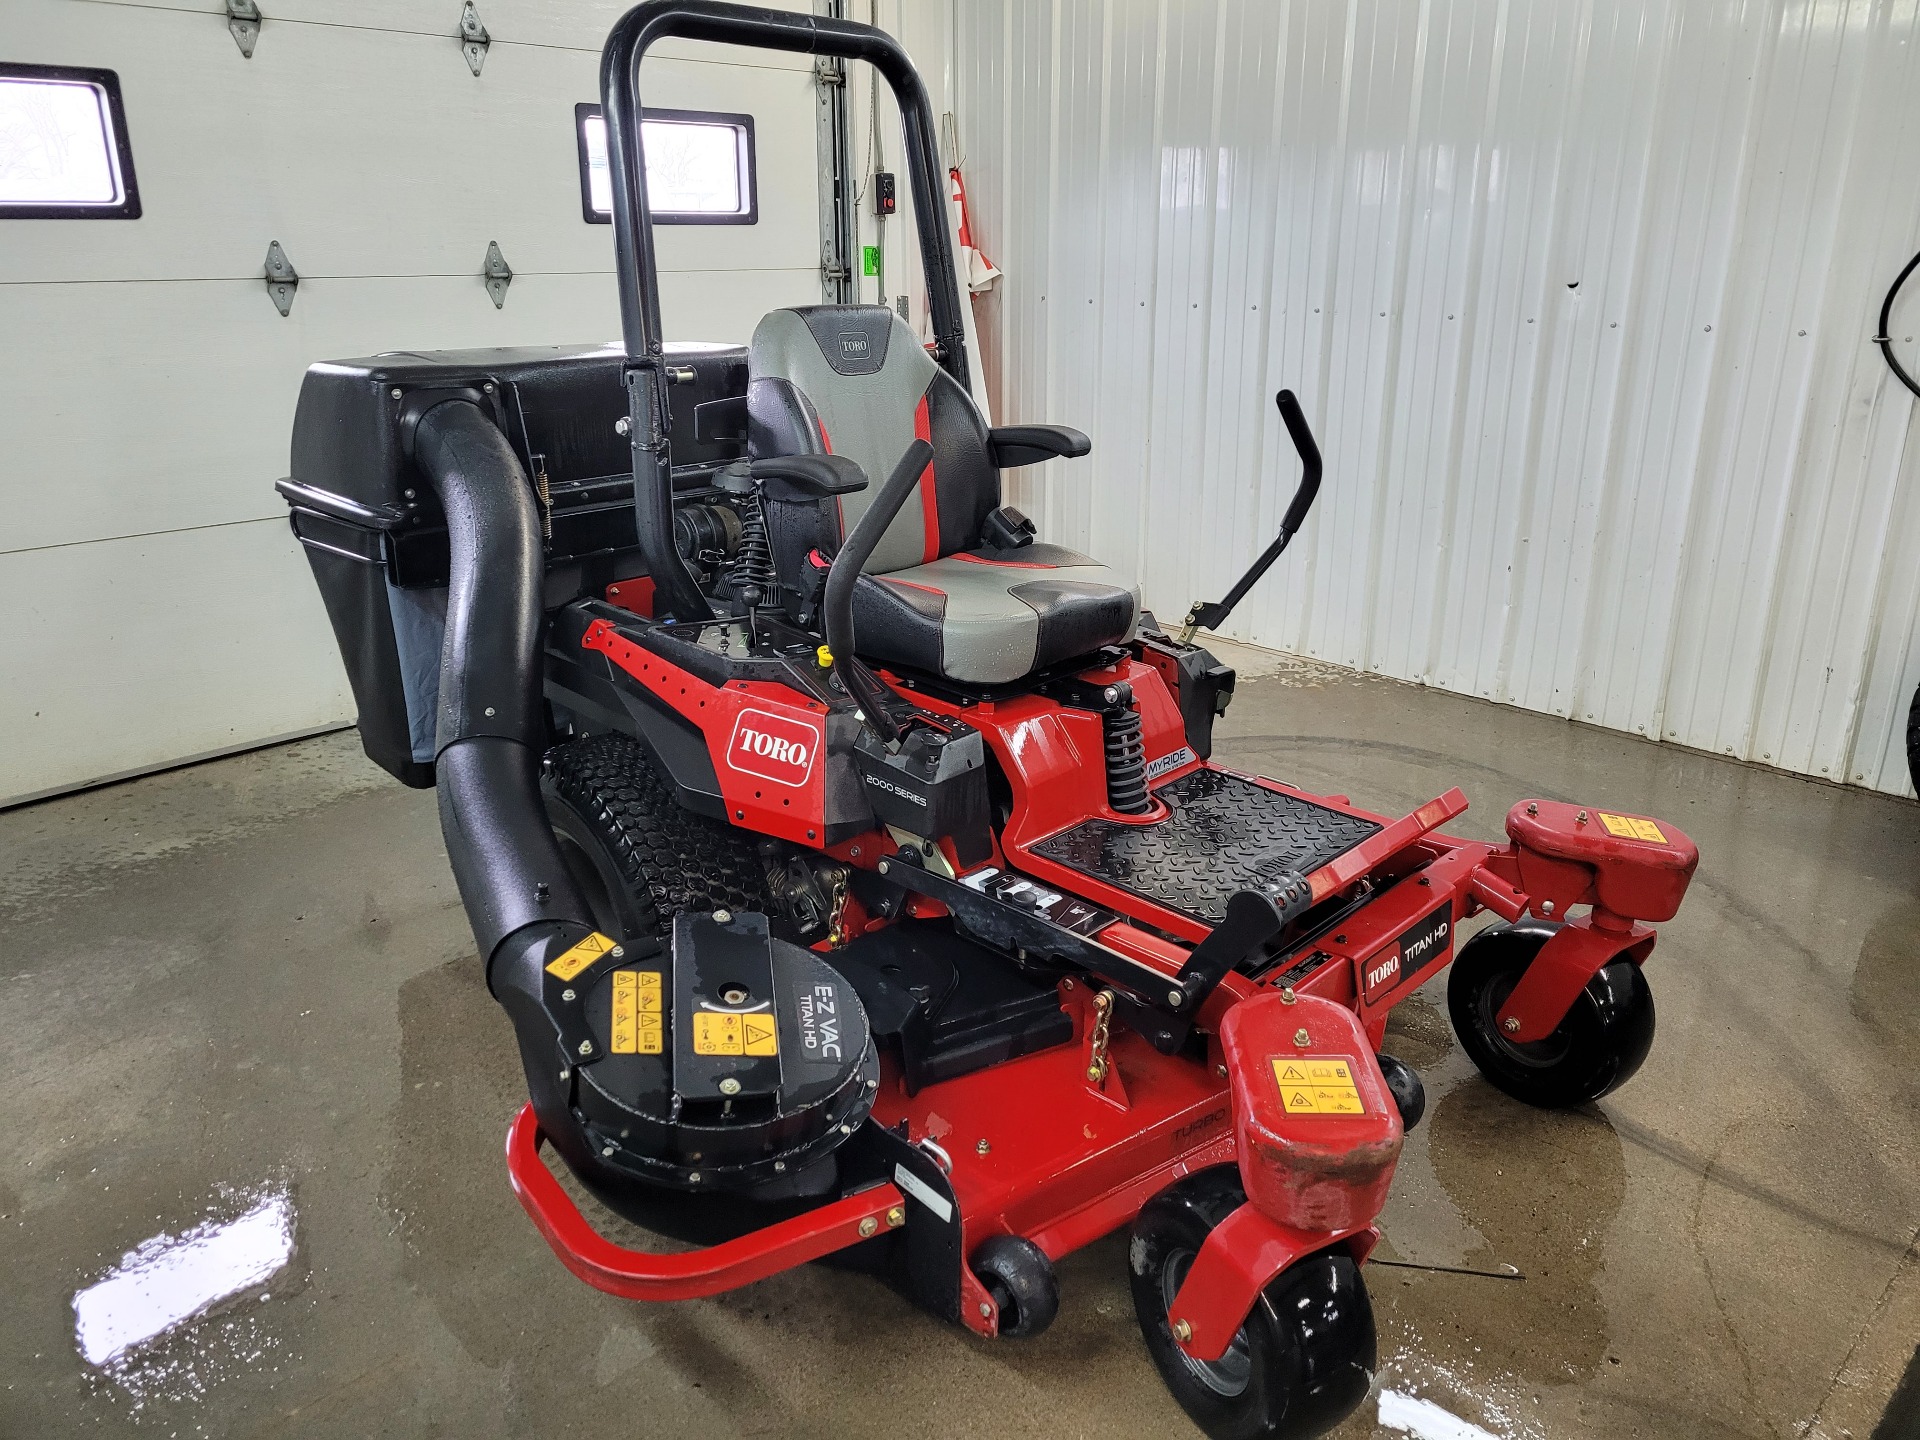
{"points": [[153, 607]]}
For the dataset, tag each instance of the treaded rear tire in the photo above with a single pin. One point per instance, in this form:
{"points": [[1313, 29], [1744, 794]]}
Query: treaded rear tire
{"points": [[640, 855]]}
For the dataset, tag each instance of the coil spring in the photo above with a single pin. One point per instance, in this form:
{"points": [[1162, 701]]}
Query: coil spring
{"points": [[1126, 761], [752, 571]]}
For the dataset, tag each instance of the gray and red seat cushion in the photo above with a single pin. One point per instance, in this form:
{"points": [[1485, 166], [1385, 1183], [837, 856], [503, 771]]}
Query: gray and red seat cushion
{"points": [[854, 380]]}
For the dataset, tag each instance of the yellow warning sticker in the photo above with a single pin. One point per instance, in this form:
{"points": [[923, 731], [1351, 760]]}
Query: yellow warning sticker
{"points": [[721, 1034], [1310, 1086], [570, 963], [1632, 827], [636, 1012], [761, 1036]]}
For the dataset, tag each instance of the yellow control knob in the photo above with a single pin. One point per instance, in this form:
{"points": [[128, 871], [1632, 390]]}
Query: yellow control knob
{"points": [[825, 657]]}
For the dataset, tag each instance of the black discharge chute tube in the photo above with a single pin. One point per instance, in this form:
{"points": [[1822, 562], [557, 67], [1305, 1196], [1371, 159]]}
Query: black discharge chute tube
{"points": [[519, 896]]}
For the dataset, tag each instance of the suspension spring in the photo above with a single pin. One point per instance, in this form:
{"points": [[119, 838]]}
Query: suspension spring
{"points": [[752, 573], [1126, 757]]}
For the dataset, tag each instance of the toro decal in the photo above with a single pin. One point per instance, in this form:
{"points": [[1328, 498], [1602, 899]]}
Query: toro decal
{"points": [[773, 747], [1425, 945]]}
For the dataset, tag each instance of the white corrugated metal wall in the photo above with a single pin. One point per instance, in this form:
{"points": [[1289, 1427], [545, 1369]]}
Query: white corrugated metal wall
{"points": [[1577, 295]]}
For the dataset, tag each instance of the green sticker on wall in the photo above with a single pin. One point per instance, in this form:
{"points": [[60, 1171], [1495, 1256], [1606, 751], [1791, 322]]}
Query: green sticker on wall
{"points": [[869, 259]]}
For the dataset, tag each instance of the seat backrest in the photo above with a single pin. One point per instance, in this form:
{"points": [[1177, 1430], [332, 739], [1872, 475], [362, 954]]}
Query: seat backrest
{"points": [[854, 380]]}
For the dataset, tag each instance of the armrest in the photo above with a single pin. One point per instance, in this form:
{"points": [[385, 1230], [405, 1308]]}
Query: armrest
{"points": [[1012, 445], [809, 477]]}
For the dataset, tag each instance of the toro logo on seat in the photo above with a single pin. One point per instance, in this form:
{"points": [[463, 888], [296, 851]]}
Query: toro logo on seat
{"points": [[773, 747]]}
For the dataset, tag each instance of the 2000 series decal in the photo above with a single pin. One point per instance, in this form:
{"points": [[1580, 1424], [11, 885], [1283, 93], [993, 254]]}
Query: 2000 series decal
{"points": [[773, 747], [1417, 949]]}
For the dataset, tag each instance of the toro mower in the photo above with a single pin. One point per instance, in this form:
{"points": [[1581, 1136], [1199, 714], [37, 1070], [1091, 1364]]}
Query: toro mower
{"points": [[853, 864]]}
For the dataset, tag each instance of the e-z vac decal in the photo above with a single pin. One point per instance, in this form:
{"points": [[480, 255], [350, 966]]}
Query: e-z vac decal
{"points": [[572, 961], [1632, 827], [820, 1024], [1317, 1085], [637, 1027], [1423, 946], [773, 747]]}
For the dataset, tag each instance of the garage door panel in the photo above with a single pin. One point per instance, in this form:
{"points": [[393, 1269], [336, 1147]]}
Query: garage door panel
{"points": [[99, 680], [233, 153], [194, 428], [572, 24]]}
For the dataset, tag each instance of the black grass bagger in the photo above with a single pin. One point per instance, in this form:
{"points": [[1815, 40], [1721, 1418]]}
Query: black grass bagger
{"points": [[853, 864]]}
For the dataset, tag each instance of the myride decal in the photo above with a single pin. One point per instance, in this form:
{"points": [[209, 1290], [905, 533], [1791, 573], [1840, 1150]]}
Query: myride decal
{"points": [[1418, 949], [773, 747]]}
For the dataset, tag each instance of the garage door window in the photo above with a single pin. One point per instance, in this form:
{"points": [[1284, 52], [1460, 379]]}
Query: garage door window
{"points": [[63, 145], [699, 167]]}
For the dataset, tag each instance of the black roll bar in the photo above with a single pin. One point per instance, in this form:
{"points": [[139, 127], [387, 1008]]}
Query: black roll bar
{"points": [[633, 35]]}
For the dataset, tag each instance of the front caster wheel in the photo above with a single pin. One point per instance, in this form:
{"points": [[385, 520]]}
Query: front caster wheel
{"points": [[1596, 1049], [1304, 1359], [1020, 1278]]}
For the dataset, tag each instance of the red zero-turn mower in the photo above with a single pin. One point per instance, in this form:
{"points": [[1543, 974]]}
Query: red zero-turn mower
{"points": [[852, 864]]}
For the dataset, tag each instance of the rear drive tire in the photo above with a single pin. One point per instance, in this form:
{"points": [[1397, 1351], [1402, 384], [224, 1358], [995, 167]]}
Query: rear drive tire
{"points": [[1305, 1357], [1595, 1050], [638, 854]]}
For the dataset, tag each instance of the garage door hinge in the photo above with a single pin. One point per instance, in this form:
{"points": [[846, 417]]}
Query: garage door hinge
{"points": [[499, 274], [827, 70], [243, 23], [474, 39], [282, 278]]}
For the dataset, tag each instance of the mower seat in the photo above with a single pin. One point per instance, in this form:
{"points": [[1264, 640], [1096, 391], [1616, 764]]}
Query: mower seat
{"points": [[854, 380]]}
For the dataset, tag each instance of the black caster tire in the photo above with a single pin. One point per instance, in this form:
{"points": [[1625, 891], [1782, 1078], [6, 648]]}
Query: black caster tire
{"points": [[1020, 1278], [1305, 1358], [1594, 1051], [640, 856], [1403, 1083]]}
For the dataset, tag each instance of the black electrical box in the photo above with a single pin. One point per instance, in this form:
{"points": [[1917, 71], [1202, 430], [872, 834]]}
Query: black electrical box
{"points": [[885, 199]]}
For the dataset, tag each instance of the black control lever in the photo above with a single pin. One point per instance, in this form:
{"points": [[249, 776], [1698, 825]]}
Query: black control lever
{"points": [[837, 607], [1211, 615]]}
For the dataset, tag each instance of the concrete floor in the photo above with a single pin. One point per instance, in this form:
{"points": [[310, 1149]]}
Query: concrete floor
{"points": [[254, 976]]}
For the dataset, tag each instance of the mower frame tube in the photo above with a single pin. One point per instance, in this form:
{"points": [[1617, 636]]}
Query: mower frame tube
{"points": [[519, 895], [690, 1274], [638, 267]]}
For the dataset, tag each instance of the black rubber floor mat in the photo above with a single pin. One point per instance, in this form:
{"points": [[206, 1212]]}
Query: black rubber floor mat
{"points": [[1225, 834]]}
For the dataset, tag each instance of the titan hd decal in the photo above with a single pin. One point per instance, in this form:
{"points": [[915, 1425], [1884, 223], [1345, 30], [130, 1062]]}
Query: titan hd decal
{"points": [[1417, 949]]}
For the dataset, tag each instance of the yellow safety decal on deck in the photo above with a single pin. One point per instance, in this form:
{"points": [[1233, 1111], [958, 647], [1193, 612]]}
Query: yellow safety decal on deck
{"points": [[570, 963], [760, 1034], [636, 1012], [1632, 827], [1311, 1085], [735, 1034]]}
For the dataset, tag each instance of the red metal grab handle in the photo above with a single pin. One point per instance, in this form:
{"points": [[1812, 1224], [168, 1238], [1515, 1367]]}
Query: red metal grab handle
{"points": [[638, 1275]]}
